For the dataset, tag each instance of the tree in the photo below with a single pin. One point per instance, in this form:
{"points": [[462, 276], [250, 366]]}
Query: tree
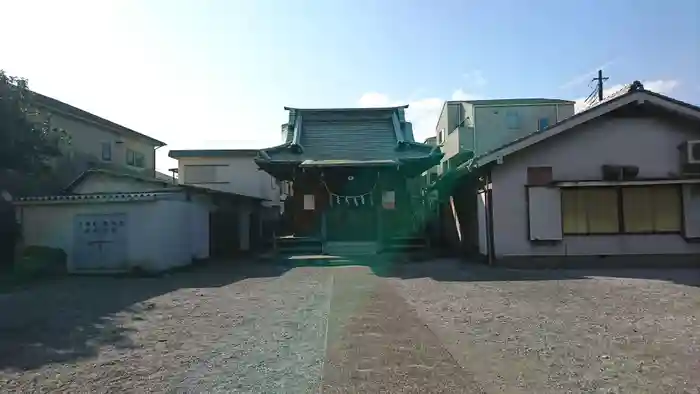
{"points": [[26, 141]]}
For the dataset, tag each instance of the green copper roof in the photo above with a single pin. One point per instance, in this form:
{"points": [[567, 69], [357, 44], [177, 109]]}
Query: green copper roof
{"points": [[348, 135]]}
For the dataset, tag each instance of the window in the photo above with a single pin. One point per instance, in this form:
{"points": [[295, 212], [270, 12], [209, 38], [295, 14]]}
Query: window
{"points": [[389, 199], [441, 136], [655, 209], [513, 120], [139, 160], [201, 174], [136, 159], [590, 211], [309, 203], [106, 151], [630, 210], [542, 123]]}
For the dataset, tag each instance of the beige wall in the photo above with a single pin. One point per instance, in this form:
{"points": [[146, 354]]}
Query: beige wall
{"points": [[491, 122], [578, 154], [238, 175], [87, 138]]}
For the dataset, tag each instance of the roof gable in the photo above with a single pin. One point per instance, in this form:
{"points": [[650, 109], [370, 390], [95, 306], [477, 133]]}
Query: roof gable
{"points": [[89, 183], [353, 134], [104, 181], [634, 97], [74, 112]]}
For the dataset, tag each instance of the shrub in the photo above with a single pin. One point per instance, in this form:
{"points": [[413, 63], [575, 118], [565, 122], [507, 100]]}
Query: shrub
{"points": [[37, 261]]}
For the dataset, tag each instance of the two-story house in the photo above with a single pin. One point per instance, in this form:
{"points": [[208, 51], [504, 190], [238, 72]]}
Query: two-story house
{"points": [[479, 126], [100, 139], [234, 171], [93, 142]]}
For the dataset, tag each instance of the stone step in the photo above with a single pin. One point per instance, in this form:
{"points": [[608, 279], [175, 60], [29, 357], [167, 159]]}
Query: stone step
{"points": [[343, 248], [294, 246]]}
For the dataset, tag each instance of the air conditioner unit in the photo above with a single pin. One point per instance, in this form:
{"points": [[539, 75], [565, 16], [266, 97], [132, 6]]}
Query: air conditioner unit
{"points": [[690, 152], [690, 158]]}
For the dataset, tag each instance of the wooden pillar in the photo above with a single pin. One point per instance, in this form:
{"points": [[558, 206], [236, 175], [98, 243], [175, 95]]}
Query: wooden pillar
{"points": [[380, 222]]}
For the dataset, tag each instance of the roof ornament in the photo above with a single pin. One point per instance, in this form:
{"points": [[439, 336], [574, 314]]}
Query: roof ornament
{"points": [[636, 86], [296, 140], [400, 140]]}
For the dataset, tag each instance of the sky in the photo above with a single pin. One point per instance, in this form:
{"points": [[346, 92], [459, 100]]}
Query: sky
{"points": [[217, 74]]}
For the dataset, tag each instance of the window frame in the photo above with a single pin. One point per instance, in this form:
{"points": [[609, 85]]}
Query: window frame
{"points": [[130, 157], [187, 178], [513, 120], [620, 211], [106, 148], [135, 158], [679, 196], [139, 160]]}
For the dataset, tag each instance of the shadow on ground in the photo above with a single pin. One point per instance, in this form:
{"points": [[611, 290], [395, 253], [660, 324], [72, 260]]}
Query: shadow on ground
{"points": [[461, 271], [71, 318], [406, 266]]}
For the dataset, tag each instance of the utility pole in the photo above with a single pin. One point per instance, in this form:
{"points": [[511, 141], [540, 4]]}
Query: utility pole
{"points": [[600, 79]]}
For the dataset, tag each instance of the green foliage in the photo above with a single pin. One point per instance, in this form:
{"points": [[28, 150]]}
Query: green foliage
{"points": [[41, 261], [27, 141]]}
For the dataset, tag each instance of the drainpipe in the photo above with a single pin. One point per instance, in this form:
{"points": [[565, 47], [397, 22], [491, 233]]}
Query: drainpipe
{"points": [[154, 160], [490, 247]]}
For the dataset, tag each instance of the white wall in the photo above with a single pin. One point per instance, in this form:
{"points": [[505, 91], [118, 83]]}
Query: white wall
{"points": [[238, 175], [161, 234], [198, 227], [481, 220], [52, 225], [578, 154]]}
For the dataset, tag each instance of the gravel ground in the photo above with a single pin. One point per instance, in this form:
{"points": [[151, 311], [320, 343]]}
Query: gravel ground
{"points": [[547, 332], [432, 327], [193, 332]]}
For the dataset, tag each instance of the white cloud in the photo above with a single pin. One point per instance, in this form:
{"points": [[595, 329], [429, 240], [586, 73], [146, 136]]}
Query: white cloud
{"points": [[475, 78], [374, 99], [658, 86], [460, 94], [423, 113], [661, 86]]}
